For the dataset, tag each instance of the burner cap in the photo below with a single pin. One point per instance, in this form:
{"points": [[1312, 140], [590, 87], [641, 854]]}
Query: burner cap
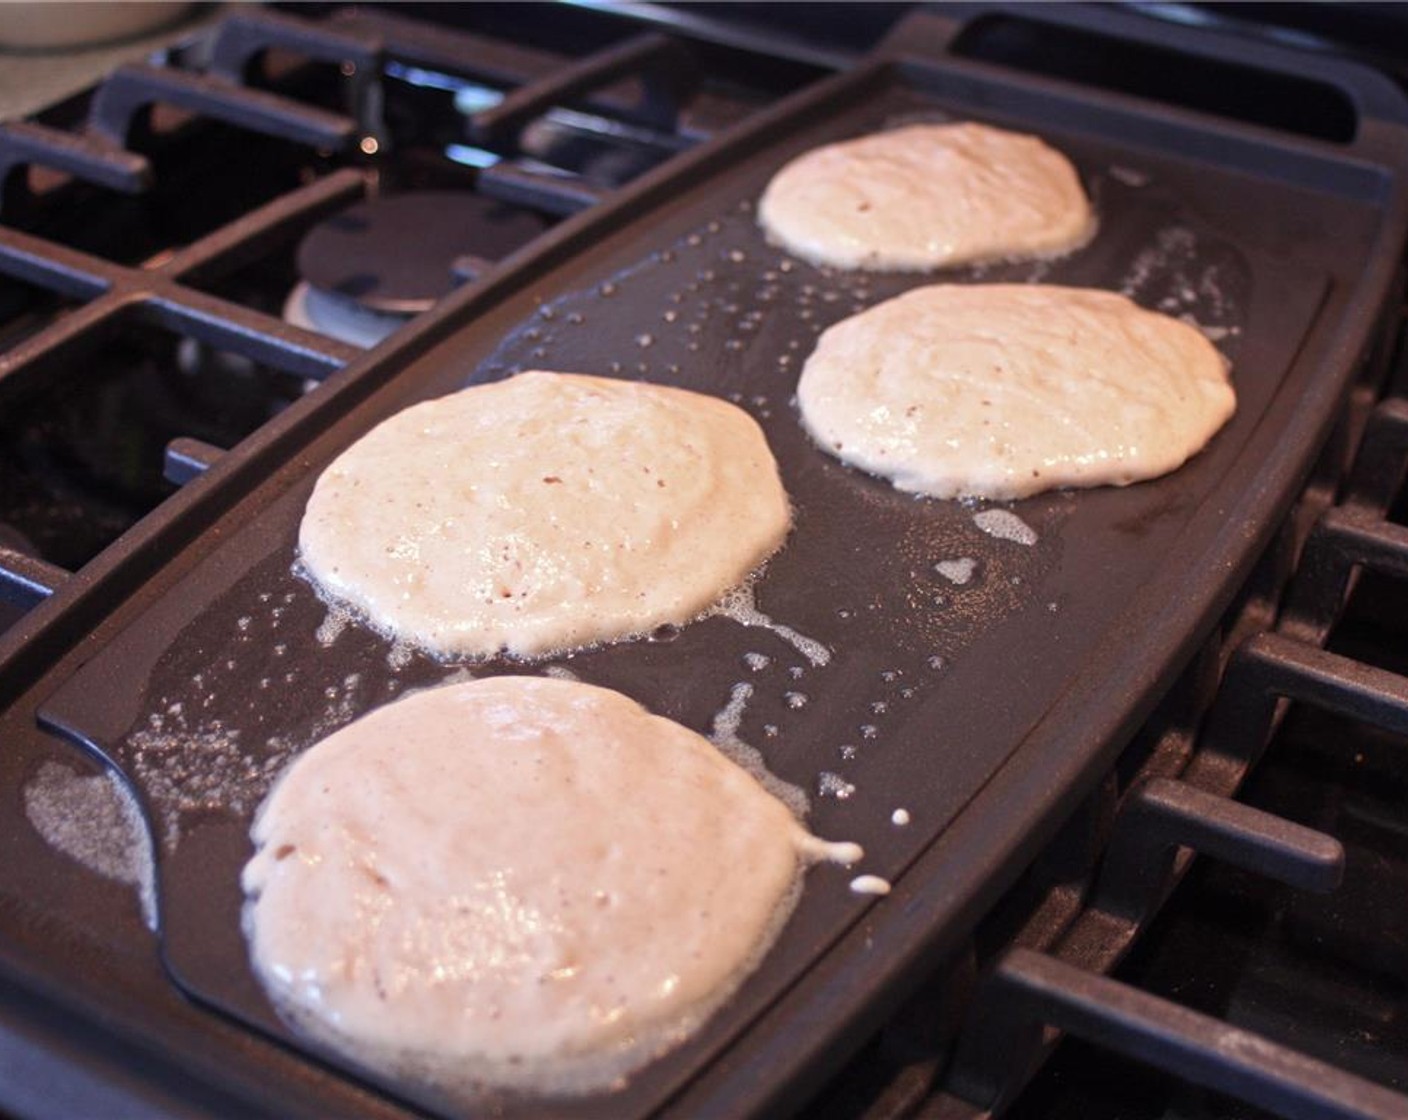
{"points": [[394, 254], [339, 317]]}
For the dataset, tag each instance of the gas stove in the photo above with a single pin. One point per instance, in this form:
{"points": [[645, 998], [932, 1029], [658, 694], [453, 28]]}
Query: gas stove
{"points": [[207, 258]]}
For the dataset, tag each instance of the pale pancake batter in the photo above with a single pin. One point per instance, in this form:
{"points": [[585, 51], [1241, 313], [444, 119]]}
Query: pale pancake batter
{"points": [[519, 881], [543, 513], [926, 196], [1005, 390]]}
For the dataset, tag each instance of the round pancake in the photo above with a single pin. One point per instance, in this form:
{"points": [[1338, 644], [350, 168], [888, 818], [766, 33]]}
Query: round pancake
{"points": [[1005, 390], [544, 513], [926, 196], [521, 882]]}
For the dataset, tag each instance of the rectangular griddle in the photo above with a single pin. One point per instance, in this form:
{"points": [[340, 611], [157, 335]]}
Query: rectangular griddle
{"points": [[984, 710]]}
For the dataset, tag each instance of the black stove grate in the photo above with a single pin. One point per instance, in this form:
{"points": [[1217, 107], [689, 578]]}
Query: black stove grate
{"points": [[1038, 966], [160, 296]]}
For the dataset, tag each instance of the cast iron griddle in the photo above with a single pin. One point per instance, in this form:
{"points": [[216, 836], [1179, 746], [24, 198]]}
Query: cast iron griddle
{"points": [[980, 709]]}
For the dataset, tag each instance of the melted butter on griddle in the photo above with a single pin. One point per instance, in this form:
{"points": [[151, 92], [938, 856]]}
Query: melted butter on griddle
{"points": [[95, 821], [741, 606]]}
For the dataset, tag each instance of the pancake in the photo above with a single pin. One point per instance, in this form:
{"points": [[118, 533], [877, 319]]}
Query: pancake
{"points": [[926, 196], [520, 882], [1005, 390], [545, 513]]}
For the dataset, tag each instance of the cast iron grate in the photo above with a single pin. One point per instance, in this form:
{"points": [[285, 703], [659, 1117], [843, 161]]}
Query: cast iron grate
{"points": [[650, 80], [162, 295]]}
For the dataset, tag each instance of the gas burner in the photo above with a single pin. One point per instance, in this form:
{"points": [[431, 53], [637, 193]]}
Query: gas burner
{"points": [[369, 269], [338, 317]]}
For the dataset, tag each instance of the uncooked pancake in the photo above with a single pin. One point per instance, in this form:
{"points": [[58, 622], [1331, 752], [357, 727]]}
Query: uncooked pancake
{"points": [[518, 882], [926, 196], [547, 512], [1004, 390]]}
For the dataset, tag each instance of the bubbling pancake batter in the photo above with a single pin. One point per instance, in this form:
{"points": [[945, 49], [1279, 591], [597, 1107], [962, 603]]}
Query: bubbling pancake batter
{"points": [[544, 513], [519, 881], [1005, 390], [926, 196]]}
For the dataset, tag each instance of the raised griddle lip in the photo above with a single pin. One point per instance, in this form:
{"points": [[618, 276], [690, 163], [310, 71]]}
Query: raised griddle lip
{"points": [[1248, 525]]}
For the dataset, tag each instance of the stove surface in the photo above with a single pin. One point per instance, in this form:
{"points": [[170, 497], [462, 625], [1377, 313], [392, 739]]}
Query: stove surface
{"points": [[150, 390]]}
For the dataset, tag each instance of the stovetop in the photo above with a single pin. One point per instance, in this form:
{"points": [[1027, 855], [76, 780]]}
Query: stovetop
{"points": [[82, 460]]}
